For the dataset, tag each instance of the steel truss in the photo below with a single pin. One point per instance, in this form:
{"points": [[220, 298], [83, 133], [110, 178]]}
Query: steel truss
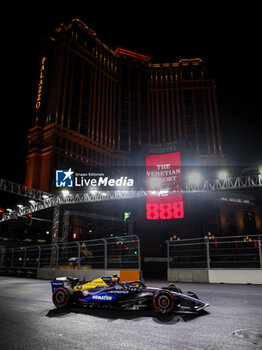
{"points": [[230, 183], [9, 186], [47, 200]]}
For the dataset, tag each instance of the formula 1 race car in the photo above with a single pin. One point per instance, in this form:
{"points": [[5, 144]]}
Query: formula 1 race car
{"points": [[108, 292]]}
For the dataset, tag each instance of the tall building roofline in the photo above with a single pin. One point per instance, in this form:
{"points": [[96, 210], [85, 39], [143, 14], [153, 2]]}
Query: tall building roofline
{"points": [[79, 22], [129, 52], [181, 62]]}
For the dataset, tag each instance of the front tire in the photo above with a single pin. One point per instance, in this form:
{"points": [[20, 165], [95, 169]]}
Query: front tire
{"points": [[164, 302], [61, 297]]}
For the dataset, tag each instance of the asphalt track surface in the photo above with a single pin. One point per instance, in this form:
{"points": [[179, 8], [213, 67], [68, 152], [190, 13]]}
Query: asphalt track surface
{"points": [[30, 321]]}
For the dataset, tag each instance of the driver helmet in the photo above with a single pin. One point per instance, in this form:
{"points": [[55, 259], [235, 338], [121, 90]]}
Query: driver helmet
{"points": [[115, 278]]}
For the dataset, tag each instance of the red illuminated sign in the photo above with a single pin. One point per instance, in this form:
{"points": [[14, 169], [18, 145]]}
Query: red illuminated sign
{"points": [[163, 174], [134, 54]]}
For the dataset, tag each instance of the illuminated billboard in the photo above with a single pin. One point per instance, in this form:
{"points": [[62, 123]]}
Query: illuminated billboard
{"points": [[163, 174]]}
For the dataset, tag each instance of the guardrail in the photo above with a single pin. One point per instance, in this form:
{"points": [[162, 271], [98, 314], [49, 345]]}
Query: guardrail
{"points": [[232, 259], [216, 252], [108, 253]]}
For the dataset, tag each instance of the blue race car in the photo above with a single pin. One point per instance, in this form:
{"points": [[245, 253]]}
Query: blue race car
{"points": [[108, 292]]}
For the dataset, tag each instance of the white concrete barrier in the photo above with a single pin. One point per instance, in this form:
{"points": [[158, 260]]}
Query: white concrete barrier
{"points": [[187, 275], [235, 276]]}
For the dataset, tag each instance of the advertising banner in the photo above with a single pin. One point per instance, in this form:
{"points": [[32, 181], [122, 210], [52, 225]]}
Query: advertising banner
{"points": [[163, 175]]}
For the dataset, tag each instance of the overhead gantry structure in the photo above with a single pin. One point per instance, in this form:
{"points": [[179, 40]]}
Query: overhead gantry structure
{"points": [[42, 200]]}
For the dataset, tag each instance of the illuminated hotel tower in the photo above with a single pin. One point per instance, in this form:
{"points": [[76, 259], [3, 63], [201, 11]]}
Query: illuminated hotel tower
{"points": [[95, 107]]}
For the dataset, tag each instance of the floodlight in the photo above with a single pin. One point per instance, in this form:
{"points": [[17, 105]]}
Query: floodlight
{"points": [[194, 178], [164, 191], [65, 193], [222, 175], [94, 190]]}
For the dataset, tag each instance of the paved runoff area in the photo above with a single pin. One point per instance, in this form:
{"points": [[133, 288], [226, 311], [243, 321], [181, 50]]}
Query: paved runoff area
{"points": [[30, 321]]}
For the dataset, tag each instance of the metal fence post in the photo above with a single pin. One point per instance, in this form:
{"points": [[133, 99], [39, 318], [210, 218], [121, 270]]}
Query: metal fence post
{"points": [[139, 253], [168, 255], [208, 256], [78, 255], [39, 256], [24, 256], [57, 255], [1, 258], [12, 257], [105, 254], [259, 250]]}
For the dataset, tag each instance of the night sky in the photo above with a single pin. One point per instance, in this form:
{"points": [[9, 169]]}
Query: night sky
{"points": [[228, 40]]}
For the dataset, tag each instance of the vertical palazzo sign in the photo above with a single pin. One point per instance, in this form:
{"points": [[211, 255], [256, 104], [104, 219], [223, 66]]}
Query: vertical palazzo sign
{"points": [[40, 84], [163, 171]]}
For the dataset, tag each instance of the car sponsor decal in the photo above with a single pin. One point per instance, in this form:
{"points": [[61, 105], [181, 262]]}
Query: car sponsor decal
{"points": [[102, 297], [85, 293]]}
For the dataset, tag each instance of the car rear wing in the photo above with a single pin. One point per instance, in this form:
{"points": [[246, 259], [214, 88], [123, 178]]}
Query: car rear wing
{"points": [[64, 282]]}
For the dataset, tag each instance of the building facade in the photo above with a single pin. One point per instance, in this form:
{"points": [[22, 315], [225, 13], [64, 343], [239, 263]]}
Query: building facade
{"points": [[96, 107]]}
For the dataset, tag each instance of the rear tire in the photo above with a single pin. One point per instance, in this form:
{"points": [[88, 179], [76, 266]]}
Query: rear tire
{"points": [[164, 302], [61, 297]]}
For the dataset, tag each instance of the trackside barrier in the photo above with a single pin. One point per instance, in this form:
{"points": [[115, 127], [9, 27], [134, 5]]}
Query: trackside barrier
{"points": [[78, 258], [231, 259]]}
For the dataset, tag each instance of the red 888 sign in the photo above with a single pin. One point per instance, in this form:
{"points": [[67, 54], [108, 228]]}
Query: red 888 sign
{"points": [[163, 211]]}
